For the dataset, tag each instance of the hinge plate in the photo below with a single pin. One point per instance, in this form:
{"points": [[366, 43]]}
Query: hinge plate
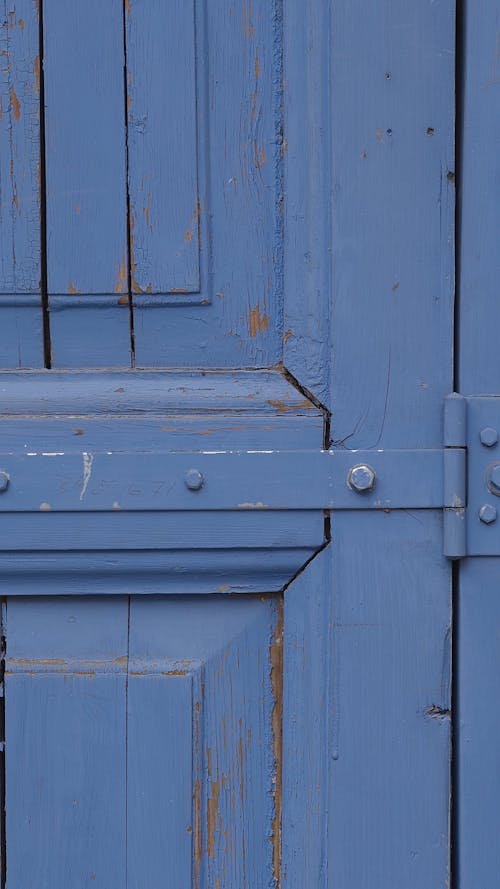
{"points": [[483, 537]]}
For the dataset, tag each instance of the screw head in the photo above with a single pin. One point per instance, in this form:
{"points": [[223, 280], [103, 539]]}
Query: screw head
{"points": [[493, 479], [361, 478], [488, 436], [194, 479], [4, 481], [488, 514]]}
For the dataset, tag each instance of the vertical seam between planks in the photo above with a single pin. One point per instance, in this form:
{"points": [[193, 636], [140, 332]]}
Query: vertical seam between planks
{"points": [[125, 12], [460, 24], [44, 292]]}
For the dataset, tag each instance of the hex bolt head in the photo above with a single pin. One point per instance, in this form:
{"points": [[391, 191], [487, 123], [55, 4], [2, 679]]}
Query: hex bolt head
{"points": [[488, 514], [4, 481], [194, 479], [488, 436], [361, 478], [493, 479]]}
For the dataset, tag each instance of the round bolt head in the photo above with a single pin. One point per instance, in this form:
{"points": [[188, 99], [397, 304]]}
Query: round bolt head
{"points": [[194, 479], [488, 436], [488, 514], [361, 478], [4, 481], [494, 479]]}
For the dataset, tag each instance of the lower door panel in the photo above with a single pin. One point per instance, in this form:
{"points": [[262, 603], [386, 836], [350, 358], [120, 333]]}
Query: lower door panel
{"points": [[142, 741]]}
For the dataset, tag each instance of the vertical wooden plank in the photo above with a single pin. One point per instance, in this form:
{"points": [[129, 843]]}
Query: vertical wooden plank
{"points": [[204, 665], [479, 360], [162, 146], [160, 776], [65, 687], [20, 302], [308, 721], [306, 149], [86, 183], [478, 725], [392, 118], [390, 692]]}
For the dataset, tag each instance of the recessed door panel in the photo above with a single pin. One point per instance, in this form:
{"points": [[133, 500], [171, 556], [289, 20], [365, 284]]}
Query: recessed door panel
{"points": [[143, 741]]}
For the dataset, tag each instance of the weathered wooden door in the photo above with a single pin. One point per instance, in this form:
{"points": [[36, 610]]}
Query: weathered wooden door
{"points": [[228, 508]]}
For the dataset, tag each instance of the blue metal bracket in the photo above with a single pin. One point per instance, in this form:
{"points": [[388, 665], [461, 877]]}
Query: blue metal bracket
{"points": [[215, 480]]}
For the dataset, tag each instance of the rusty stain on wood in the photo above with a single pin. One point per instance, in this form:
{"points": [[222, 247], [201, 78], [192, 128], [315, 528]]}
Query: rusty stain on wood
{"points": [[198, 838], [121, 278], [282, 407], [212, 812], [72, 289], [276, 659], [147, 213], [128, 7], [15, 104], [36, 72], [248, 27], [287, 335], [21, 24], [257, 323]]}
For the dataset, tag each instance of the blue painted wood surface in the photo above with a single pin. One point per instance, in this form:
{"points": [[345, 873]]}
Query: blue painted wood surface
{"points": [[392, 221], [236, 320], [87, 252], [308, 721], [144, 737], [20, 268], [391, 323], [298, 734], [163, 146], [66, 734], [477, 761], [389, 797]]}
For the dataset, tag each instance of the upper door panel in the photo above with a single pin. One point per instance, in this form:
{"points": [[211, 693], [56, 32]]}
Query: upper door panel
{"points": [[163, 185]]}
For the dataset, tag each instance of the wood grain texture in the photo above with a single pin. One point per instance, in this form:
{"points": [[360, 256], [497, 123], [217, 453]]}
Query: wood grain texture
{"points": [[390, 697], [478, 727], [238, 95], [19, 149], [86, 183], [200, 677], [20, 271], [162, 146], [392, 116], [66, 719], [479, 361], [306, 149], [478, 724], [308, 716]]}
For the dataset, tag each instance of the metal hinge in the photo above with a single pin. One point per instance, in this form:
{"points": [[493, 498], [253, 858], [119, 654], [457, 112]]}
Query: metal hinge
{"points": [[472, 474]]}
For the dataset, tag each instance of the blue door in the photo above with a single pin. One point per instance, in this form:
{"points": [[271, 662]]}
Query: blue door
{"points": [[234, 437]]}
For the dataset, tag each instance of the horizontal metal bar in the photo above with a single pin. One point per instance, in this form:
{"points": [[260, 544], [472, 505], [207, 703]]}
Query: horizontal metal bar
{"points": [[230, 480]]}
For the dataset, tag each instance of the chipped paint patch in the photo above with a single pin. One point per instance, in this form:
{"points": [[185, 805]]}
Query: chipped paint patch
{"points": [[257, 323], [15, 104], [282, 407]]}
